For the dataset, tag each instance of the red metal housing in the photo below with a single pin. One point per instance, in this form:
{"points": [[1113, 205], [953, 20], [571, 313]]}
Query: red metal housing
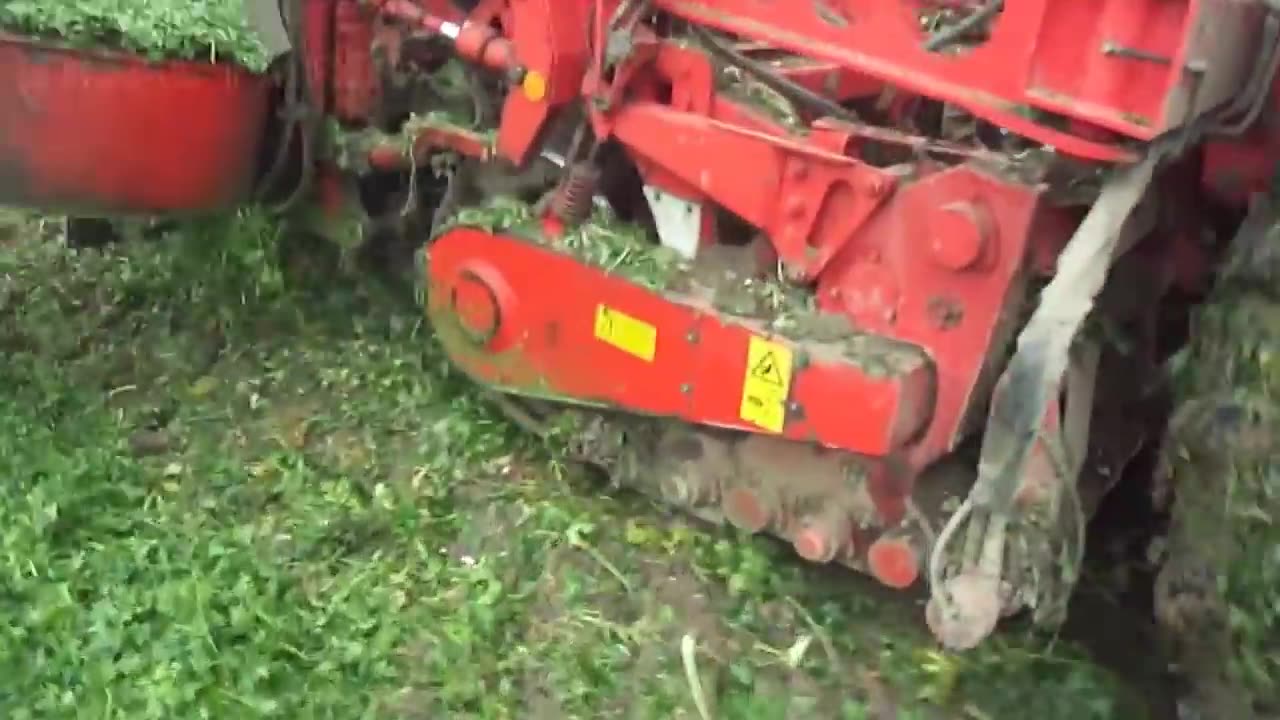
{"points": [[1133, 67], [104, 132], [618, 344]]}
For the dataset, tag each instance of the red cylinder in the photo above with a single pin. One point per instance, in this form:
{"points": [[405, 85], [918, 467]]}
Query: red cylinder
{"points": [[106, 132]]}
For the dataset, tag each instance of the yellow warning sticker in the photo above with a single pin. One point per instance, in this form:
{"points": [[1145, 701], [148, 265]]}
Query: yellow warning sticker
{"points": [[628, 334], [767, 382]]}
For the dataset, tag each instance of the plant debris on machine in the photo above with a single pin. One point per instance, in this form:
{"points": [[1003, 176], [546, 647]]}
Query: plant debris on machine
{"points": [[200, 30]]}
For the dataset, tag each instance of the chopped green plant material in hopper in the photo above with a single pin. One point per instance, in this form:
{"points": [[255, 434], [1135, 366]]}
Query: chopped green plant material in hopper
{"points": [[215, 31]]}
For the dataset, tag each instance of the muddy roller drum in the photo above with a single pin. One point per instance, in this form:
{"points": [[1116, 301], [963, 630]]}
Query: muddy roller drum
{"points": [[106, 132]]}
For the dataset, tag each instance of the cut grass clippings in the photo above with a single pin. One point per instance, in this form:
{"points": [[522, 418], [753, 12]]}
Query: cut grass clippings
{"points": [[199, 30], [228, 494]]}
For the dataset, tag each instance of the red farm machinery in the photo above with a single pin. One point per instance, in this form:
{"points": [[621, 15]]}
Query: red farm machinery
{"points": [[887, 280]]}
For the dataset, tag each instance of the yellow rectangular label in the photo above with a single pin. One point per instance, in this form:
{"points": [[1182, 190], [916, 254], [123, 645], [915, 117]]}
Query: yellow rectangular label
{"points": [[631, 336], [766, 384]]}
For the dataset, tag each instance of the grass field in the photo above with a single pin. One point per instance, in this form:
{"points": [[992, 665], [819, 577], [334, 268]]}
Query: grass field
{"points": [[234, 488]]}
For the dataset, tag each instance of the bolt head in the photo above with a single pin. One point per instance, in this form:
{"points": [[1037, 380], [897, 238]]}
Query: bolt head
{"points": [[959, 236]]}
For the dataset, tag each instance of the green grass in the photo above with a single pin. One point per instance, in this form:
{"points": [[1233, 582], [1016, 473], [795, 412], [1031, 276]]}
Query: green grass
{"points": [[227, 494]]}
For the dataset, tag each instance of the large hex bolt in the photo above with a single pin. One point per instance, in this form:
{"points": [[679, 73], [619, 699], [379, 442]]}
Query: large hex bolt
{"points": [[960, 235]]}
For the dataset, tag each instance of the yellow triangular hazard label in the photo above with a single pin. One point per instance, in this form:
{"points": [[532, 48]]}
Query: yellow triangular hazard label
{"points": [[766, 370]]}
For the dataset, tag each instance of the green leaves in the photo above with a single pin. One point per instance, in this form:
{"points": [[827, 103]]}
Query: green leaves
{"points": [[200, 30], [603, 241]]}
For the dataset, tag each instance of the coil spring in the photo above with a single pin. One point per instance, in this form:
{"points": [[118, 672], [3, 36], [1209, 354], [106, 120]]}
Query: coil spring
{"points": [[573, 201]]}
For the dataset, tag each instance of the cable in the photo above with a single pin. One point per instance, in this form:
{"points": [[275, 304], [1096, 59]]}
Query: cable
{"points": [[937, 555], [1258, 88], [290, 88], [952, 33], [298, 112], [788, 89]]}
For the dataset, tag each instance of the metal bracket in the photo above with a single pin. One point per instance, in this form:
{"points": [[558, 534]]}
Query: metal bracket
{"points": [[679, 221]]}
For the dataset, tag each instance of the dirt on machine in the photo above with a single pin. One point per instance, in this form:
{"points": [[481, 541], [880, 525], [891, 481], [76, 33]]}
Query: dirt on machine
{"points": [[891, 282]]}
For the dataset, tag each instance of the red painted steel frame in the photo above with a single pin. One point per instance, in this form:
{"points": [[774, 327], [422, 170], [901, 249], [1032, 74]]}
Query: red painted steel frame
{"points": [[809, 199], [804, 192], [548, 37], [108, 132], [539, 342], [1073, 57], [355, 87], [932, 261], [936, 267], [939, 267]]}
